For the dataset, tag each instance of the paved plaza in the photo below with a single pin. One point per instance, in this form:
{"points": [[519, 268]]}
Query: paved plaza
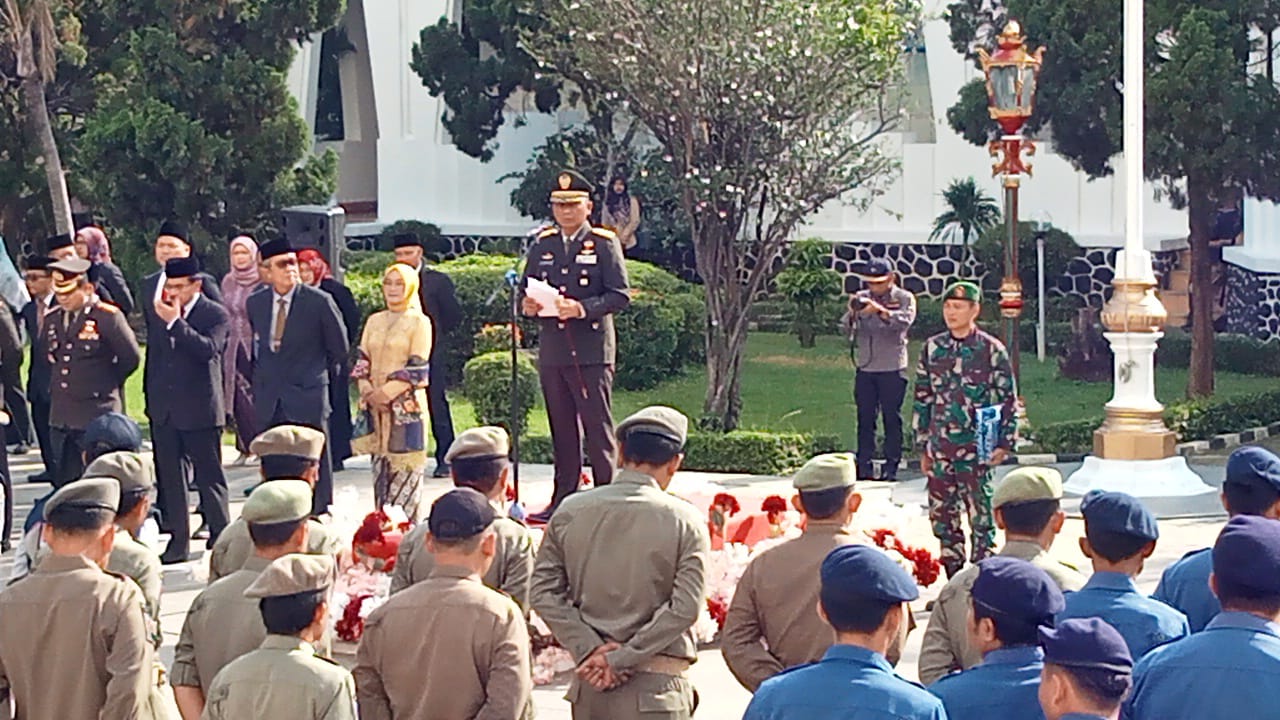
{"points": [[722, 697]]}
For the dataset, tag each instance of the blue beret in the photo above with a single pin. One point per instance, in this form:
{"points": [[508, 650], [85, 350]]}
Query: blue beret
{"points": [[1118, 513], [1086, 643], [1017, 589], [864, 572], [459, 514], [1246, 556], [1253, 465], [112, 432]]}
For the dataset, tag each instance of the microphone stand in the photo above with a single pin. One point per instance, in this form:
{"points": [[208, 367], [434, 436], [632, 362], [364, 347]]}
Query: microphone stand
{"points": [[512, 280]]}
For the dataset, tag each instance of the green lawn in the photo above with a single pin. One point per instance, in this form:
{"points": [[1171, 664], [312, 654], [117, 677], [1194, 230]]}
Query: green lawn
{"points": [[786, 387]]}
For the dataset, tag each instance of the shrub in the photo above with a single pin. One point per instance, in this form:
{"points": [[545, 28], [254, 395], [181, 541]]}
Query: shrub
{"points": [[1059, 250], [1075, 436], [1231, 353], [475, 278], [496, 338], [366, 288], [806, 282], [366, 262], [487, 384], [648, 338], [435, 245]]}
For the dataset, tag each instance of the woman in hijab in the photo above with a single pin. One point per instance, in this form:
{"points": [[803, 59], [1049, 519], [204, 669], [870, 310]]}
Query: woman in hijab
{"points": [[391, 375], [91, 244], [237, 359], [621, 212], [314, 271]]}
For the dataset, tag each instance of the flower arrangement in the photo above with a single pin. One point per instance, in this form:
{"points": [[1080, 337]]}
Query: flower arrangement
{"points": [[351, 625], [723, 506], [775, 509], [377, 540], [918, 561]]}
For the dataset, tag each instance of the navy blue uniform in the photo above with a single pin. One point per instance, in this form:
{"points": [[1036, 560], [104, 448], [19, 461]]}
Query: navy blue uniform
{"points": [[1144, 623], [1006, 684], [850, 683], [1185, 586]]}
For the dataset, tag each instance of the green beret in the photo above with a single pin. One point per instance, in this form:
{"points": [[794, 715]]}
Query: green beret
{"points": [[963, 290], [826, 472], [86, 494], [295, 440], [278, 501], [1028, 484], [480, 443], [657, 420], [292, 574], [127, 467]]}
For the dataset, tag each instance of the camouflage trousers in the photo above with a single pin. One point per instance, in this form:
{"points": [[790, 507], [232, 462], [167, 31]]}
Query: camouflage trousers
{"points": [[960, 488]]}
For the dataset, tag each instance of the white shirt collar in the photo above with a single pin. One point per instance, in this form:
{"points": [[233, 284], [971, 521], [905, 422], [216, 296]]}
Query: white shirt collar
{"points": [[287, 297], [186, 309]]}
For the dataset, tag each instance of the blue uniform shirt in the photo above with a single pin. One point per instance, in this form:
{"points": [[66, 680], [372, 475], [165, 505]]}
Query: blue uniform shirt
{"points": [[850, 683], [1144, 623], [1231, 670], [1185, 586], [1005, 685]]}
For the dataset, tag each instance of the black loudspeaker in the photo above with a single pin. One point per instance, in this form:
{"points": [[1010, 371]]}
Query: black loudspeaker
{"points": [[315, 226]]}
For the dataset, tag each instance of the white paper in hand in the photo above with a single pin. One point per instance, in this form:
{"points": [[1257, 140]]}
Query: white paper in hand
{"points": [[545, 295]]}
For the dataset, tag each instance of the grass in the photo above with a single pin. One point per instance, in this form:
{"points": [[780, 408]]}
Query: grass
{"points": [[789, 388]]}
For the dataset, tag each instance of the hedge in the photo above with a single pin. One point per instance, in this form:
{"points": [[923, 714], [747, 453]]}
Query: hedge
{"points": [[487, 384], [1231, 353], [1191, 420], [740, 451]]}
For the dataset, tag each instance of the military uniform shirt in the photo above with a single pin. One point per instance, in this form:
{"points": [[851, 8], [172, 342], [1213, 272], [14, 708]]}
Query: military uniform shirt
{"points": [[89, 361], [850, 683], [1230, 670], [1184, 586], [282, 679], [945, 647], [644, 588], [234, 546], [512, 562], [73, 644], [468, 657], [1144, 623], [776, 602], [221, 625], [1005, 685], [954, 378], [139, 563]]}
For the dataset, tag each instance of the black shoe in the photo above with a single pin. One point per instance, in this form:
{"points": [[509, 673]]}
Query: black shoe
{"points": [[202, 532], [865, 472], [174, 558], [40, 477], [20, 449], [338, 466], [441, 471], [543, 517], [5, 546]]}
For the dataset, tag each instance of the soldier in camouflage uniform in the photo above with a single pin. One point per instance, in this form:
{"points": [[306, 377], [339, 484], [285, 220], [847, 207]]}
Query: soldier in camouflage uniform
{"points": [[960, 371]]}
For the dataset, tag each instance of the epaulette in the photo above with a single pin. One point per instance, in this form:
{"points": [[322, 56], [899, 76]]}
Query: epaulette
{"points": [[548, 232], [604, 233], [107, 307]]}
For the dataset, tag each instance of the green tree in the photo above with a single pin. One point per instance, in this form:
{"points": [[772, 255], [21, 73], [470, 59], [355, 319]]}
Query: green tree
{"points": [[806, 281], [773, 112], [1211, 121], [971, 212]]}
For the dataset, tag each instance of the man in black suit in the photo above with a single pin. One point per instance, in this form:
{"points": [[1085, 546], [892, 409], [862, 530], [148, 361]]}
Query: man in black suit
{"points": [[40, 287], [298, 335], [185, 403], [440, 303]]}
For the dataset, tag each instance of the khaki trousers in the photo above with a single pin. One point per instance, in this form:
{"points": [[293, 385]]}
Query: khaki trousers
{"points": [[647, 696]]}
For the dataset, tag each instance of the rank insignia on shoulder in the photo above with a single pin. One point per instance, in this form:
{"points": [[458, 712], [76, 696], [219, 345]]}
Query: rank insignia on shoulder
{"points": [[108, 308], [605, 233], [548, 231]]}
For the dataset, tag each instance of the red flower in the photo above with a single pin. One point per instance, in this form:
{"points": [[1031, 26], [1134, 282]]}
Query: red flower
{"points": [[728, 502], [925, 567], [773, 504], [351, 626], [718, 610]]}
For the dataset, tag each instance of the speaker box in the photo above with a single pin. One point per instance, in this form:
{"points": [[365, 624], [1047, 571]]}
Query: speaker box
{"points": [[319, 227]]}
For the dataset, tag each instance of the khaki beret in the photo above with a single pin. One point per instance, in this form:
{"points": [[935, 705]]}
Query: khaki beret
{"points": [[293, 440], [1028, 484], [128, 468], [657, 420], [480, 443], [826, 472], [278, 501], [86, 494], [292, 574]]}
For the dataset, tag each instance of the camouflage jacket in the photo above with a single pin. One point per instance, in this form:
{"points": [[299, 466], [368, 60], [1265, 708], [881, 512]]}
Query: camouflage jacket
{"points": [[955, 377]]}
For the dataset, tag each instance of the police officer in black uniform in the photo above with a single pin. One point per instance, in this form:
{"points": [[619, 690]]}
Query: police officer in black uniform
{"points": [[92, 351], [577, 343]]}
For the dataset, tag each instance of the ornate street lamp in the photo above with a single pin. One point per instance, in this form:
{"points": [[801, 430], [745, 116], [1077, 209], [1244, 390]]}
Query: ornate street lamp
{"points": [[1012, 75]]}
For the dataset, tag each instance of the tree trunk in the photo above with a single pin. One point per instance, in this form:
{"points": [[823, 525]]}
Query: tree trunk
{"points": [[726, 343], [1201, 210], [41, 129]]}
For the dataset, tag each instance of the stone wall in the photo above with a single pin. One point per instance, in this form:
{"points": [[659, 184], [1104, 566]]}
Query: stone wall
{"points": [[1253, 303]]}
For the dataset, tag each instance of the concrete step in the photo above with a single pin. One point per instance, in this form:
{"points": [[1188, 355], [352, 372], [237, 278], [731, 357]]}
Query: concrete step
{"points": [[1179, 280]]}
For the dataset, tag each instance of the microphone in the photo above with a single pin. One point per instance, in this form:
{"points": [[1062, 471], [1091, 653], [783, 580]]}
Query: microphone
{"points": [[512, 277]]}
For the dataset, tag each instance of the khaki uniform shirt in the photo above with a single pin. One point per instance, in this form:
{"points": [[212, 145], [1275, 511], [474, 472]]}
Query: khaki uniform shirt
{"points": [[468, 657], [141, 564], [509, 574], [773, 621], [625, 562], [282, 679], [73, 644], [221, 625], [945, 648], [234, 546]]}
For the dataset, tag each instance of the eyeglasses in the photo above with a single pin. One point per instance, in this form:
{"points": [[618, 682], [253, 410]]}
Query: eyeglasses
{"points": [[284, 262]]}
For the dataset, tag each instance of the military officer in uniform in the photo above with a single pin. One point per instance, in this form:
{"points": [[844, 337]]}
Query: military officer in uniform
{"points": [[1252, 487], [1087, 670], [771, 624], [864, 598], [284, 677], [1119, 535], [287, 452], [576, 339], [637, 654], [963, 372], [222, 624], [73, 638], [1232, 668], [471, 656], [92, 351], [1028, 508], [478, 459]]}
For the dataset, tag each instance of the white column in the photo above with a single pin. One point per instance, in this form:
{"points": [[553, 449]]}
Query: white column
{"points": [[1135, 379], [1133, 262]]}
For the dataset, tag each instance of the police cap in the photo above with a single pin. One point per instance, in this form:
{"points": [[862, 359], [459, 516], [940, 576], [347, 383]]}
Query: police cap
{"points": [[459, 514], [571, 187], [86, 494], [826, 472], [292, 440], [128, 468], [657, 420], [277, 502], [1028, 484], [480, 443], [292, 574]]}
